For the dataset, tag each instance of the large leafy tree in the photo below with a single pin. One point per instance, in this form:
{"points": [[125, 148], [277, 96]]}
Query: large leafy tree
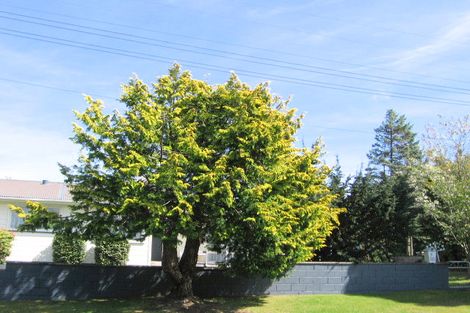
{"points": [[213, 164], [446, 180]]}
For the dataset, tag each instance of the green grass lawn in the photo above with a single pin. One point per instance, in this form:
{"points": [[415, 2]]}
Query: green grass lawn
{"points": [[459, 279], [413, 302]]}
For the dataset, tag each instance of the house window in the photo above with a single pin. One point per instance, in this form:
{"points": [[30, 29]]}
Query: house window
{"points": [[16, 221]]}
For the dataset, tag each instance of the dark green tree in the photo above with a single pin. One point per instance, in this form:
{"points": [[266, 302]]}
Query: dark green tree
{"points": [[364, 231], [338, 186], [392, 157], [395, 146], [382, 212]]}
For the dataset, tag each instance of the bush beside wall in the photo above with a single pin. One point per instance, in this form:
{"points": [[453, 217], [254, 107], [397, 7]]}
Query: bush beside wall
{"points": [[6, 240], [111, 251], [68, 249]]}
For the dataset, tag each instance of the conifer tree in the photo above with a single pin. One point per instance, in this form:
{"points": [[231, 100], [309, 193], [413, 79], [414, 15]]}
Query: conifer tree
{"points": [[382, 212], [338, 187], [214, 164], [392, 156], [395, 145]]}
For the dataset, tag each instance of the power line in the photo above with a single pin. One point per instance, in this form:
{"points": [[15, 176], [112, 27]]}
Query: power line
{"points": [[237, 45], [40, 85], [303, 67], [280, 78], [284, 27], [22, 82], [344, 129]]}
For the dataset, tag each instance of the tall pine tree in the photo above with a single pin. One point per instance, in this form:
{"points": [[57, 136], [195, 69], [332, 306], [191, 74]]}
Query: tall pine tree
{"points": [[392, 155], [395, 146]]}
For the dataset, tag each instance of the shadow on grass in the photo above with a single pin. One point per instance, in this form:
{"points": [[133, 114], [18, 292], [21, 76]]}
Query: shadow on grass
{"points": [[147, 305], [446, 298]]}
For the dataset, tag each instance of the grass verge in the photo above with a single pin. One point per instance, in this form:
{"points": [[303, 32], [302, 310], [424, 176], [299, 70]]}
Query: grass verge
{"points": [[399, 302]]}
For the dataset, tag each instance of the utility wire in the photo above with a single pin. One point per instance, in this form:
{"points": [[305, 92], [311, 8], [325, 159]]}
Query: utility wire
{"points": [[22, 82], [296, 66], [235, 44], [344, 129], [40, 85], [281, 78]]}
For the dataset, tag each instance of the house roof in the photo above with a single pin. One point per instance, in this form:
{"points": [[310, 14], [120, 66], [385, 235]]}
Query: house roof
{"points": [[34, 190]]}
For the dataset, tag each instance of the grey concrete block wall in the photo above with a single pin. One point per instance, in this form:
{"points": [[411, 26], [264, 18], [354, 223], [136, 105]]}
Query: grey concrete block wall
{"points": [[331, 278], [54, 281], [59, 282]]}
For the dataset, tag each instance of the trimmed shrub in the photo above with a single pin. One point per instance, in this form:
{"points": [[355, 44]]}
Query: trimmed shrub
{"points": [[68, 249], [111, 251], [6, 240]]}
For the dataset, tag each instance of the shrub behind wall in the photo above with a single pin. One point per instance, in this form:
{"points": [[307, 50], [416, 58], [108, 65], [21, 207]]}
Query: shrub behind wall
{"points": [[68, 249], [6, 240], [111, 251]]}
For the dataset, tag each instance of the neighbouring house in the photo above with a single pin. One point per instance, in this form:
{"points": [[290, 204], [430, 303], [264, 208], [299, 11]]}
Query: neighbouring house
{"points": [[37, 246]]}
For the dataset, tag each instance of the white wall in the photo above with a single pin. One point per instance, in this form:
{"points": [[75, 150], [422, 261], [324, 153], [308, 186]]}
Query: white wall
{"points": [[31, 247], [37, 246], [140, 252], [4, 216]]}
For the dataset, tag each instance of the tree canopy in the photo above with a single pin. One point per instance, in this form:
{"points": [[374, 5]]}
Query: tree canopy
{"points": [[215, 164], [446, 180]]}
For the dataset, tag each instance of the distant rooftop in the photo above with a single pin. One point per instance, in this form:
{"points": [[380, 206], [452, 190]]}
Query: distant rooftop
{"points": [[34, 190]]}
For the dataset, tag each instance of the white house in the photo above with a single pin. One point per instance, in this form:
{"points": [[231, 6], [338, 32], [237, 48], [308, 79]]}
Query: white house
{"points": [[37, 246]]}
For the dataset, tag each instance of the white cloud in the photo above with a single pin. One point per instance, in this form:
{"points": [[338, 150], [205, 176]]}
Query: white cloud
{"points": [[452, 38]]}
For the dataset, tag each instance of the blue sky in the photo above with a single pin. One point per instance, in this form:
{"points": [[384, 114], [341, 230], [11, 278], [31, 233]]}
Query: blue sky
{"points": [[296, 45]]}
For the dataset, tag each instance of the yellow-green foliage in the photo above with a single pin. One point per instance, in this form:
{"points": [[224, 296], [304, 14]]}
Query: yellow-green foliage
{"points": [[6, 239], [211, 162], [38, 216]]}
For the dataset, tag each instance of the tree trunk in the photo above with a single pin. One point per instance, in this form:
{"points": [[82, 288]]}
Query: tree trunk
{"points": [[181, 273], [183, 289]]}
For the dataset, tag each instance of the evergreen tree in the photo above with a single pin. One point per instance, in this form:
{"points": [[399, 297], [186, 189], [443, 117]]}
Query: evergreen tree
{"points": [[382, 213], [395, 145], [215, 164], [338, 188], [392, 155], [365, 230]]}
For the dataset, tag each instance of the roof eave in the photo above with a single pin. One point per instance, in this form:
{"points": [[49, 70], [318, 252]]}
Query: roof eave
{"points": [[36, 199]]}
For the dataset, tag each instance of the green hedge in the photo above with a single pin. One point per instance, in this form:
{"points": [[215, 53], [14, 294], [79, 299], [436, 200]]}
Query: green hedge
{"points": [[68, 249], [6, 240], [111, 251]]}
